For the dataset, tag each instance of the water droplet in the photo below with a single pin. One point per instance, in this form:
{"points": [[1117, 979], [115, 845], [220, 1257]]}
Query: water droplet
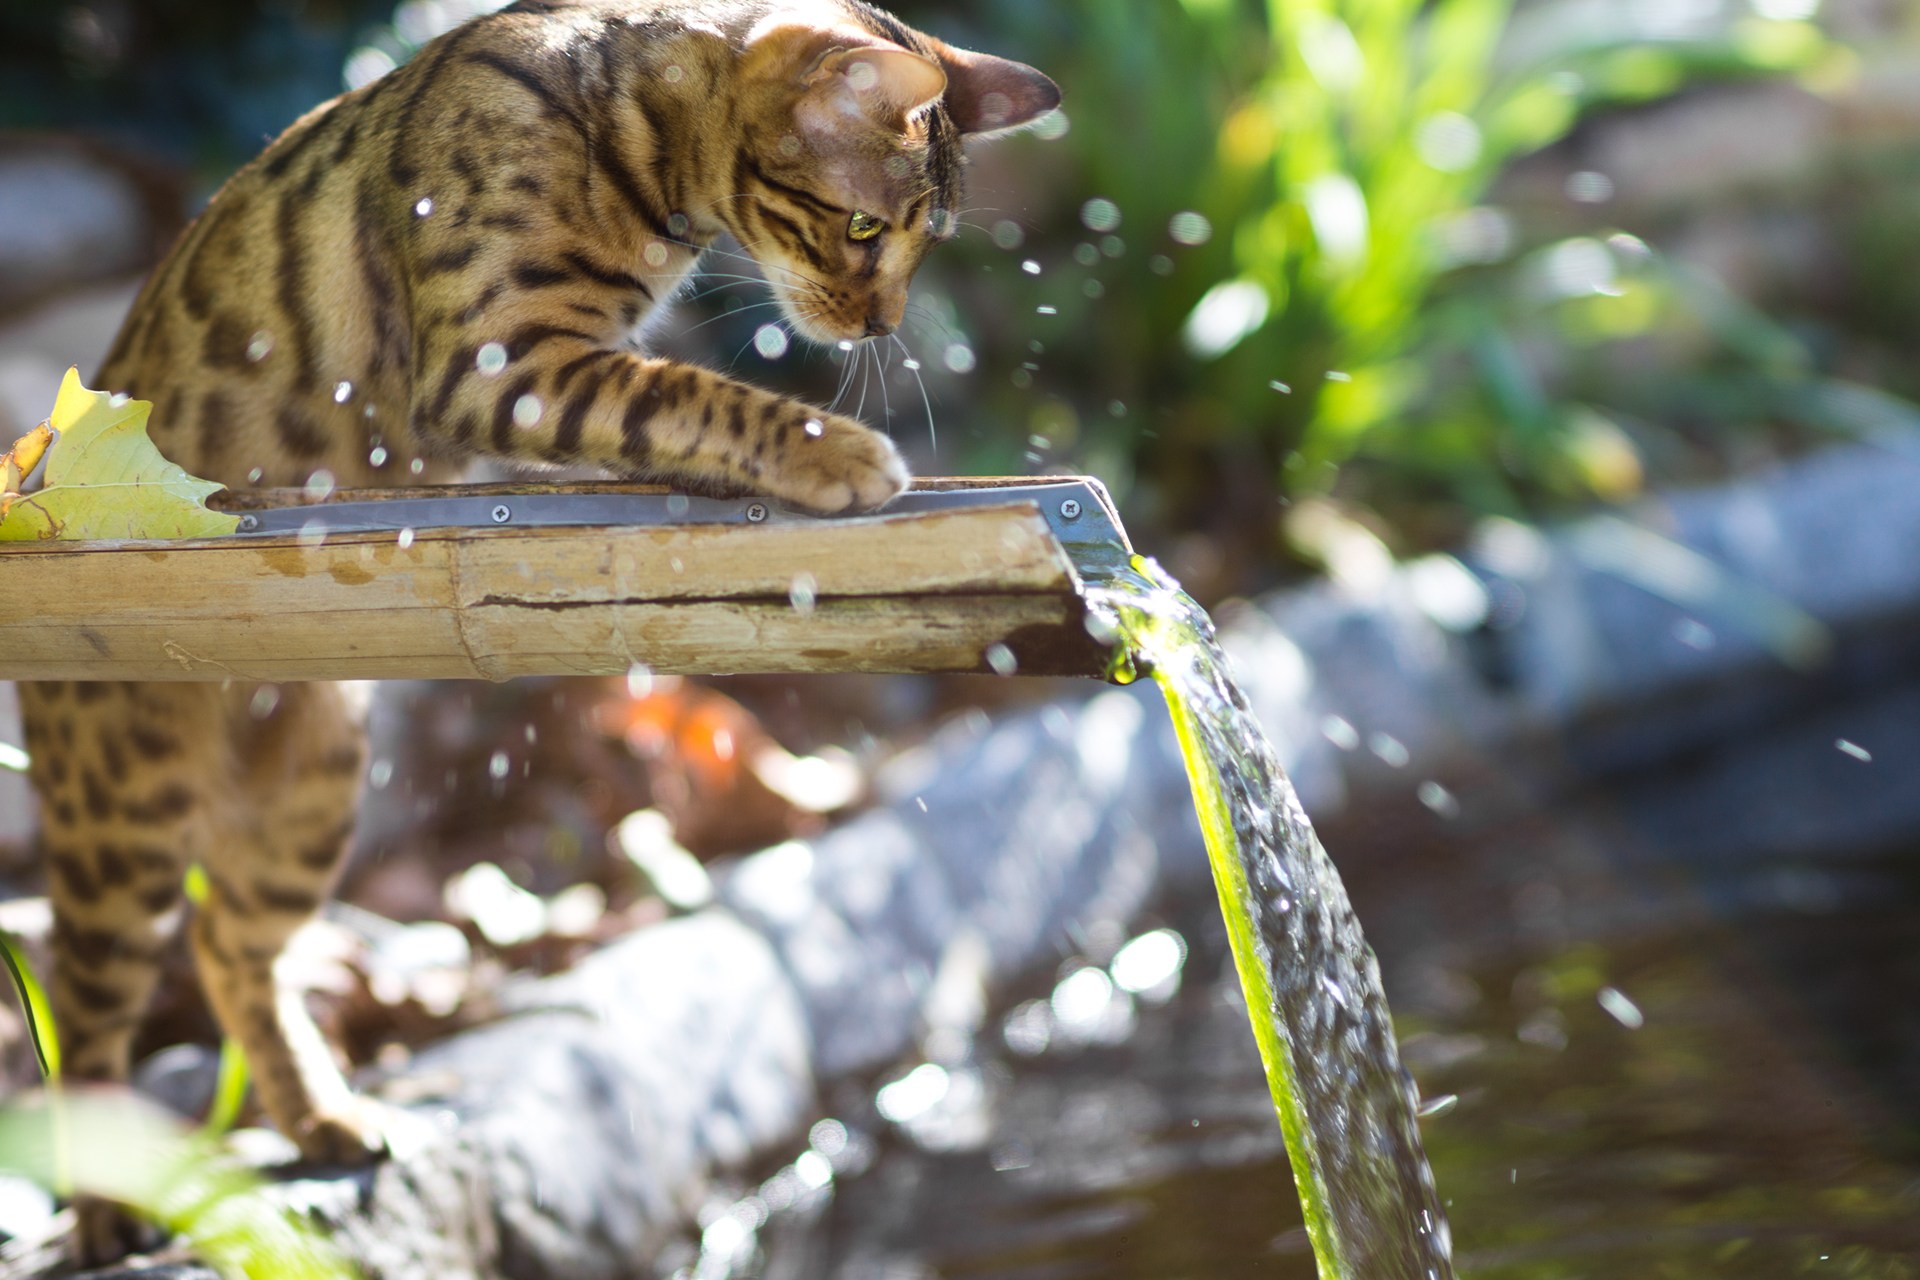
{"points": [[1621, 1008], [1007, 234], [417, 466], [1281, 387], [490, 359], [1390, 749], [813, 1170], [1433, 1108], [1046, 311], [1100, 214], [1448, 141], [1589, 187], [1022, 378], [1694, 634], [674, 73], [1113, 246], [677, 224], [862, 76], [1031, 267], [405, 539], [655, 253], [377, 458], [260, 346], [365, 65], [1086, 254], [910, 365], [803, 593], [1148, 961], [790, 146], [497, 765], [959, 358], [320, 485], [380, 774], [1578, 267], [528, 410], [1225, 315], [940, 223], [423, 207], [1160, 264], [342, 392], [1094, 289], [1001, 659], [254, 475], [770, 340], [639, 681], [815, 428], [1052, 126], [678, 505], [1190, 228], [1334, 375], [1438, 799], [1855, 750]]}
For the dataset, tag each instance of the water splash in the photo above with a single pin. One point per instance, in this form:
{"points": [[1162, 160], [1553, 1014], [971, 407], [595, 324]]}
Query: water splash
{"points": [[1346, 1106]]}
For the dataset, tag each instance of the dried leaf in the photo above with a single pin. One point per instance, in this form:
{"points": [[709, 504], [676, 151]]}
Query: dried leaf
{"points": [[19, 461], [105, 479]]}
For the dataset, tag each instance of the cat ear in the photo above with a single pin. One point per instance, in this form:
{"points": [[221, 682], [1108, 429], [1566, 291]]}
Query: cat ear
{"points": [[986, 94], [884, 82], [845, 74]]}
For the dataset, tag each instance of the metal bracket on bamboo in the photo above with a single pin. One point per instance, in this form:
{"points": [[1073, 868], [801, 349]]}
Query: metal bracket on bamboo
{"points": [[497, 581]]}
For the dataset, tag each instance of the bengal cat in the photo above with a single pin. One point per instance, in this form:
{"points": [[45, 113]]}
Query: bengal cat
{"points": [[454, 261]]}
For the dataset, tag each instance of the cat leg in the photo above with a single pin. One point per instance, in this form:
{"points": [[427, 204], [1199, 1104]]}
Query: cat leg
{"points": [[122, 773], [300, 756]]}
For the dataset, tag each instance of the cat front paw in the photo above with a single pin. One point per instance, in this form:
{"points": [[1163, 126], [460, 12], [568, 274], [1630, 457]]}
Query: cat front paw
{"points": [[834, 465]]}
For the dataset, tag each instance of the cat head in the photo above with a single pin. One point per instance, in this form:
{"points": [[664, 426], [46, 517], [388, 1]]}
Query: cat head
{"points": [[850, 160]]}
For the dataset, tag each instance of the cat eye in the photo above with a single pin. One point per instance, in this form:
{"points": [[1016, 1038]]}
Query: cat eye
{"points": [[864, 226]]}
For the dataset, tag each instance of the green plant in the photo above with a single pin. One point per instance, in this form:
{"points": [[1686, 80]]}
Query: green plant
{"points": [[118, 1147], [1309, 288]]}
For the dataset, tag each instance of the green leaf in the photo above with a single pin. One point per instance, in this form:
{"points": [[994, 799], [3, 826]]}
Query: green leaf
{"points": [[105, 479]]}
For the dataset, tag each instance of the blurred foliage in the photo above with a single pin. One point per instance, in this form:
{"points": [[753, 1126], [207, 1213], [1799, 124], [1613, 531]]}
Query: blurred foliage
{"points": [[1310, 290], [121, 1148]]}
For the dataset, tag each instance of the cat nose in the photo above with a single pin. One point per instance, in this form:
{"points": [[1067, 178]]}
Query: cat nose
{"points": [[878, 328]]}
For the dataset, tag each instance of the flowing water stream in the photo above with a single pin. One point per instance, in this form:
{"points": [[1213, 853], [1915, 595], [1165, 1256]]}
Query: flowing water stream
{"points": [[1346, 1106]]}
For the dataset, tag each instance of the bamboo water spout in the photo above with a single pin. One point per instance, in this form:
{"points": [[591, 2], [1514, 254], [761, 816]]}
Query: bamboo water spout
{"points": [[493, 582]]}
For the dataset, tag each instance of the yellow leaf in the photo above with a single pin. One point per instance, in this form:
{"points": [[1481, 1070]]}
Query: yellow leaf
{"points": [[105, 479]]}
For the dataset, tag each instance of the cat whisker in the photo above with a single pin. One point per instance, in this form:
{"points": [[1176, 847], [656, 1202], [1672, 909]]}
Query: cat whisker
{"points": [[920, 312], [913, 366], [880, 358], [728, 315], [861, 351]]}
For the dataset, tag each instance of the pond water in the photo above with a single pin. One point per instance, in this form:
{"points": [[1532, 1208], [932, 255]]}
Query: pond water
{"points": [[1635, 1064], [1757, 1122]]}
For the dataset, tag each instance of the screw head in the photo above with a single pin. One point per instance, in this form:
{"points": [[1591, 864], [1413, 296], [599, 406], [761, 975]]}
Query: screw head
{"points": [[502, 513], [756, 512], [1070, 509]]}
